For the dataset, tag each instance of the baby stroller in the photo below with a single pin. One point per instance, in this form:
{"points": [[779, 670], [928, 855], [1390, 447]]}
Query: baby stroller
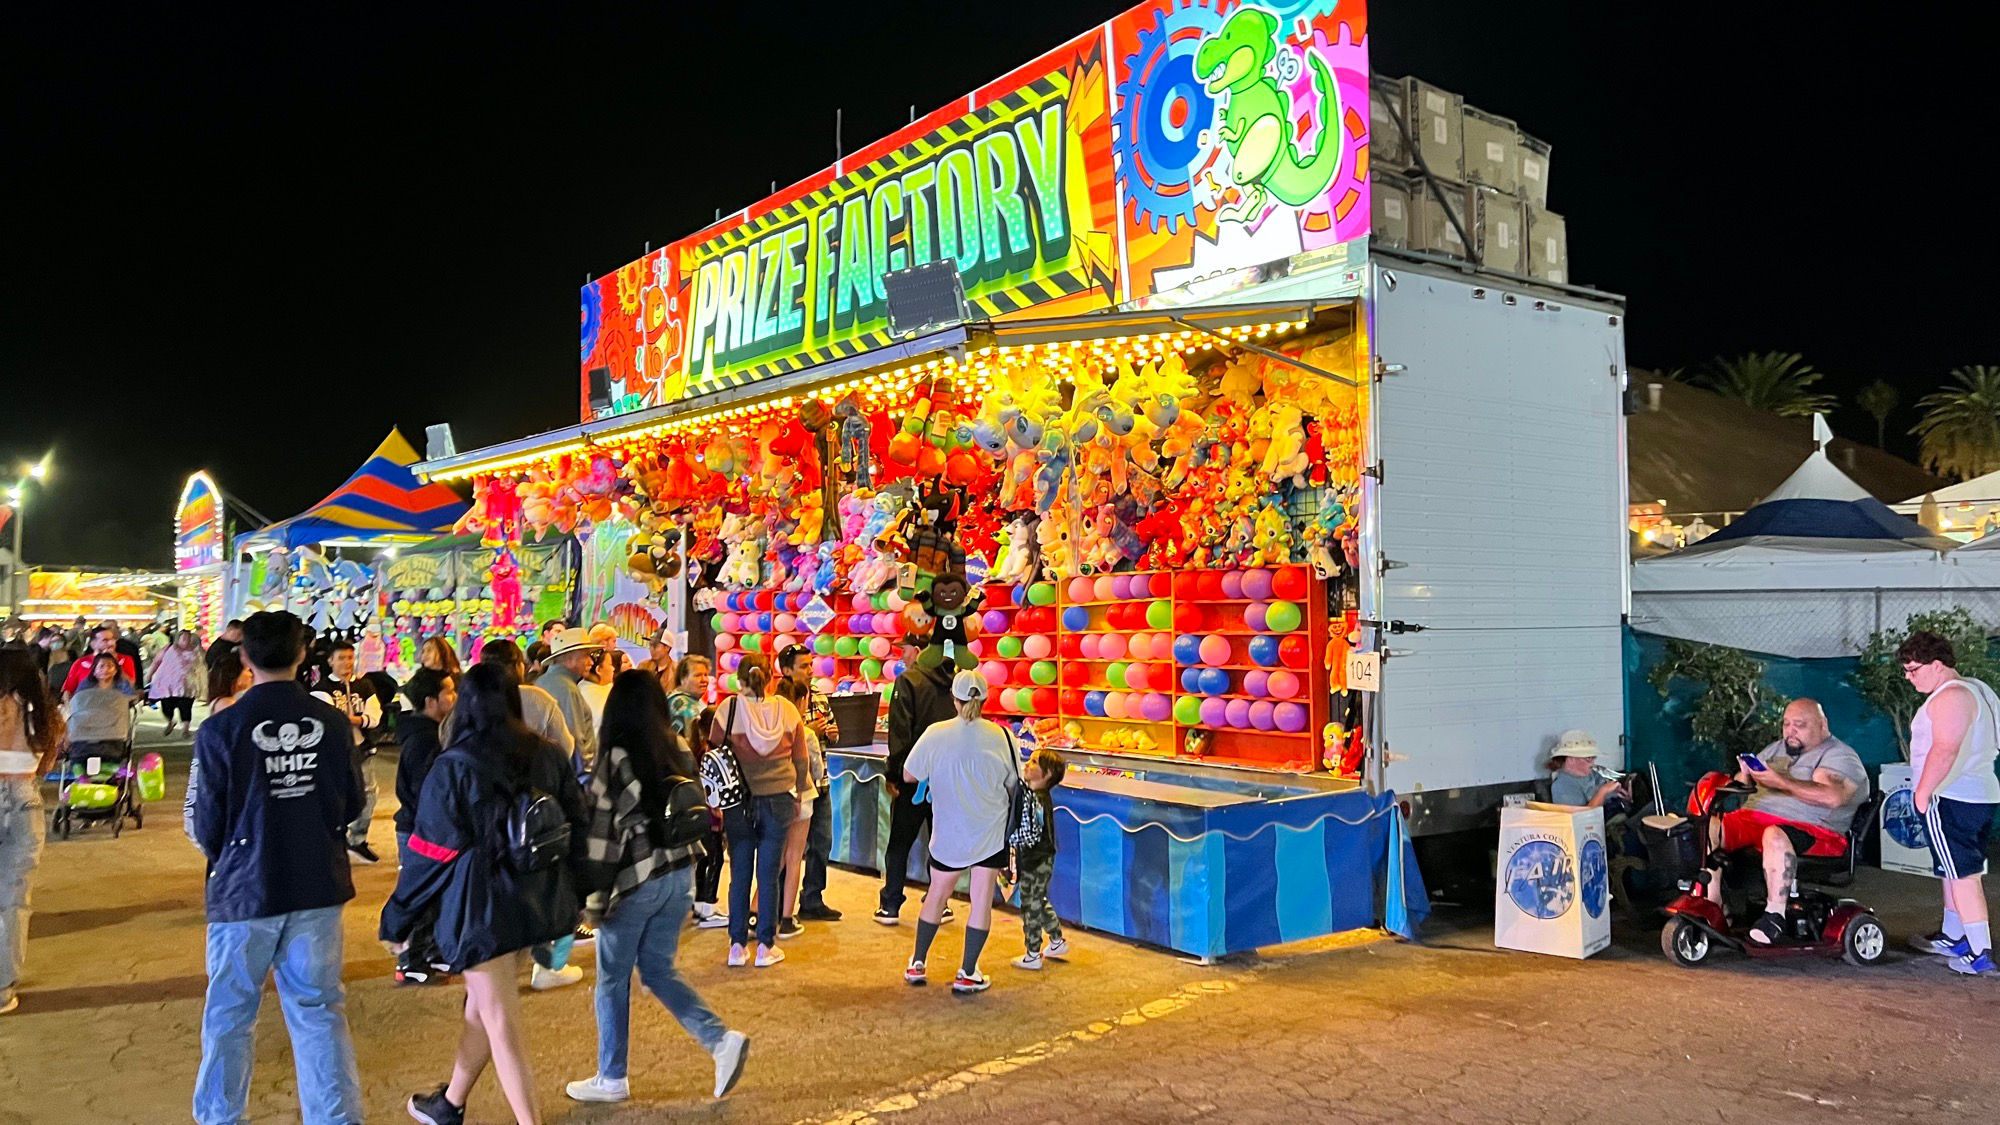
{"points": [[98, 782]]}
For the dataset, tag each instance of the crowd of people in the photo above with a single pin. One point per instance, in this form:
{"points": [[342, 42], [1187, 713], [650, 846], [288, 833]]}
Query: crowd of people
{"points": [[545, 797]]}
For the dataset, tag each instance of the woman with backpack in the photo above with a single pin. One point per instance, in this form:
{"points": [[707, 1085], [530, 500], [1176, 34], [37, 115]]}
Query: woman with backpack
{"points": [[497, 840], [759, 744], [648, 825]]}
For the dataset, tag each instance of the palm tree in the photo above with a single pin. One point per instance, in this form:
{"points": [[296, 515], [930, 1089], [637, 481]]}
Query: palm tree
{"points": [[1774, 382], [1879, 399], [1960, 429]]}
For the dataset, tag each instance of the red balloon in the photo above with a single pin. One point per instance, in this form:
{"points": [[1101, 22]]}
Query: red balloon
{"points": [[1186, 585], [1292, 652], [1130, 615], [1162, 585], [1023, 673], [1070, 647], [1187, 618], [766, 599], [1045, 701], [1072, 701], [1035, 619], [999, 597], [1073, 675], [1289, 584], [1209, 585]]}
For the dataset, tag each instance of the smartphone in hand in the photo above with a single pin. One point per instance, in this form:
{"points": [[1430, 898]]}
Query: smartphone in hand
{"points": [[1752, 763]]}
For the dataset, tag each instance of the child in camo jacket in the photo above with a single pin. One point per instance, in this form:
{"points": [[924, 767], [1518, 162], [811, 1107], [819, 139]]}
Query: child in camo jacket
{"points": [[1031, 834]]}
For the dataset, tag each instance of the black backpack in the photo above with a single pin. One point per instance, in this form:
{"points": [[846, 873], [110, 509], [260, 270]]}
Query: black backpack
{"points": [[536, 833], [688, 819]]}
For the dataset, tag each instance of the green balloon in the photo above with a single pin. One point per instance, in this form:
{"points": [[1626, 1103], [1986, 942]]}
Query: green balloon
{"points": [[886, 689], [715, 623], [729, 681], [1187, 710], [871, 669], [1281, 617], [1160, 615], [846, 646], [823, 645], [1024, 700], [1042, 593], [1010, 647], [1043, 672], [752, 642], [1116, 674]]}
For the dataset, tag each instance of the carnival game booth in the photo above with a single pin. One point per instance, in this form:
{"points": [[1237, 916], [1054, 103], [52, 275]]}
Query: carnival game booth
{"points": [[468, 589], [207, 574], [320, 564], [948, 401]]}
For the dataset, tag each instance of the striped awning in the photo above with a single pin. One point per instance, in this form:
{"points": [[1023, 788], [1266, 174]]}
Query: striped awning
{"points": [[383, 502]]}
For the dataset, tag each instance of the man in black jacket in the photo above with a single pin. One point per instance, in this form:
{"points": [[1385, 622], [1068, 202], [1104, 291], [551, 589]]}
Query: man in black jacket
{"points": [[431, 696], [270, 795], [921, 697]]}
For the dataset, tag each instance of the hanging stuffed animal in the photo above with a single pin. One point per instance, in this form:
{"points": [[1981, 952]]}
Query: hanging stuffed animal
{"points": [[951, 602], [505, 575]]}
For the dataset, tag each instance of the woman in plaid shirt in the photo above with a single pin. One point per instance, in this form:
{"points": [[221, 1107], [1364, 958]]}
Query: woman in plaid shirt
{"points": [[652, 888]]}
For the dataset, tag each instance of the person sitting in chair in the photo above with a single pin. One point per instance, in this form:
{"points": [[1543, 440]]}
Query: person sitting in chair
{"points": [[1806, 797]]}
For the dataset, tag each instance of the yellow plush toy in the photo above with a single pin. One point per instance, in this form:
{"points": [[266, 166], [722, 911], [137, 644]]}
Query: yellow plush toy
{"points": [[1285, 458]]}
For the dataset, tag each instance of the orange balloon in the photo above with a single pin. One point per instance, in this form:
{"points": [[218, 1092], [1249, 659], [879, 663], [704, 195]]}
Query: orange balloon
{"points": [[930, 459], [961, 468], [904, 449]]}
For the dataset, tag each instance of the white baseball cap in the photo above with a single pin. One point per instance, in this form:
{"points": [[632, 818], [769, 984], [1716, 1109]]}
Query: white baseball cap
{"points": [[967, 686]]}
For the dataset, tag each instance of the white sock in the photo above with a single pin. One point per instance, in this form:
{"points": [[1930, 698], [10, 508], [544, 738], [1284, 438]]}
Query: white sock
{"points": [[1953, 928], [1979, 935]]}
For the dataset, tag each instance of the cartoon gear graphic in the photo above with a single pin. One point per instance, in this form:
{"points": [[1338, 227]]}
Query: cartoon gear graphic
{"points": [[593, 317], [1163, 126], [1305, 12]]}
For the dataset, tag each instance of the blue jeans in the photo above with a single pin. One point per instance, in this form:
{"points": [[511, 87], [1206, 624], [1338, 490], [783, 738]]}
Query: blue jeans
{"points": [[756, 830], [644, 930], [304, 949], [819, 846]]}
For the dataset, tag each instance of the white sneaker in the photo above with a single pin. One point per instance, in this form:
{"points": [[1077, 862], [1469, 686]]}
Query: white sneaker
{"points": [[1029, 961], [598, 1088], [713, 920], [729, 1057], [541, 980], [769, 955], [1057, 950], [738, 957]]}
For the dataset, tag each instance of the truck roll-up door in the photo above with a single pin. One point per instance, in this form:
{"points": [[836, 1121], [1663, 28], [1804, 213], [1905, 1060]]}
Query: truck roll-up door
{"points": [[1500, 530]]}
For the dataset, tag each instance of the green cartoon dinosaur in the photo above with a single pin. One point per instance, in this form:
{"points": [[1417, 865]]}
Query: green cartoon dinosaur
{"points": [[1257, 120]]}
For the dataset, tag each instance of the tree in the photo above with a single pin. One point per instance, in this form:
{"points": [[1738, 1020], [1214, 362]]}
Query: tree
{"points": [[1879, 399], [1878, 675], [1960, 429], [1736, 713], [1774, 382]]}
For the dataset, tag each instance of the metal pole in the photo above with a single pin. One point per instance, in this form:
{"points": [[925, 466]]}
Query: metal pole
{"points": [[14, 566]]}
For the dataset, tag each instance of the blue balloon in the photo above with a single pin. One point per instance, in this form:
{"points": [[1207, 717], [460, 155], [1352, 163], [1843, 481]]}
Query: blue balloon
{"points": [[1093, 703], [1264, 651], [1215, 681], [1191, 679], [895, 668], [764, 622], [1187, 649], [844, 685], [1076, 619]]}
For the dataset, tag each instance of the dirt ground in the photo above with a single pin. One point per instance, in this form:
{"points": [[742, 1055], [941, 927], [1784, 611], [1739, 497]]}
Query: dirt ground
{"points": [[1339, 1030]]}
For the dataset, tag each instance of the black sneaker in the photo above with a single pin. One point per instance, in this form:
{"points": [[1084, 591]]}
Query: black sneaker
{"points": [[888, 917], [790, 928], [585, 935], [362, 853], [435, 1109], [820, 913]]}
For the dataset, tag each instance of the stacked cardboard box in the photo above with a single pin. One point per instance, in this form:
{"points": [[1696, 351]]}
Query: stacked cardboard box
{"points": [[1492, 177]]}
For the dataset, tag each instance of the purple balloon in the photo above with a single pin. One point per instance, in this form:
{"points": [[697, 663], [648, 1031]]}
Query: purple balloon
{"points": [[1257, 584], [1262, 715], [994, 620], [864, 623], [1257, 683], [1253, 616], [1238, 713], [1121, 586], [1157, 707], [1214, 712], [1232, 584], [1290, 717]]}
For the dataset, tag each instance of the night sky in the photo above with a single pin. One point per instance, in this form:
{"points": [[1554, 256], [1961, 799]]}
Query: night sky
{"points": [[252, 241]]}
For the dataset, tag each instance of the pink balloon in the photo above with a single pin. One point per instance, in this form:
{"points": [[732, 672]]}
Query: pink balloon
{"points": [[1104, 589], [1093, 646], [994, 671], [785, 622], [1140, 647], [888, 624], [1004, 700], [861, 603], [1038, 647], [1283, 684], [730, 661], [895, 601], [1114, 704], [731, 623], [1111, 647], [1215, 650], [879, 647], [724, 642], [782, 642], [1135, 677], [1082, 589]]}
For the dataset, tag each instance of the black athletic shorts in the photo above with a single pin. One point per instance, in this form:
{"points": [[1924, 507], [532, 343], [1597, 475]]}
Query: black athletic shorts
{"points": [[997, 861], [1960, 832]]}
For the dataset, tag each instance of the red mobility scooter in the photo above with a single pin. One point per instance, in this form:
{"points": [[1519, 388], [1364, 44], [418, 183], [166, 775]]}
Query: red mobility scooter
{"points": [[1817, 923]]}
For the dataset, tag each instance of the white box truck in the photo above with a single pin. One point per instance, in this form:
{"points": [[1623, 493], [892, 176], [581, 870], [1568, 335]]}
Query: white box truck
{"points": [[1493, 545]]}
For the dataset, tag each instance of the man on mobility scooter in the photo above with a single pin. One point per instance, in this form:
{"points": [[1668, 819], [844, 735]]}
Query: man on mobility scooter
{"points": [[1808, 786]]}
